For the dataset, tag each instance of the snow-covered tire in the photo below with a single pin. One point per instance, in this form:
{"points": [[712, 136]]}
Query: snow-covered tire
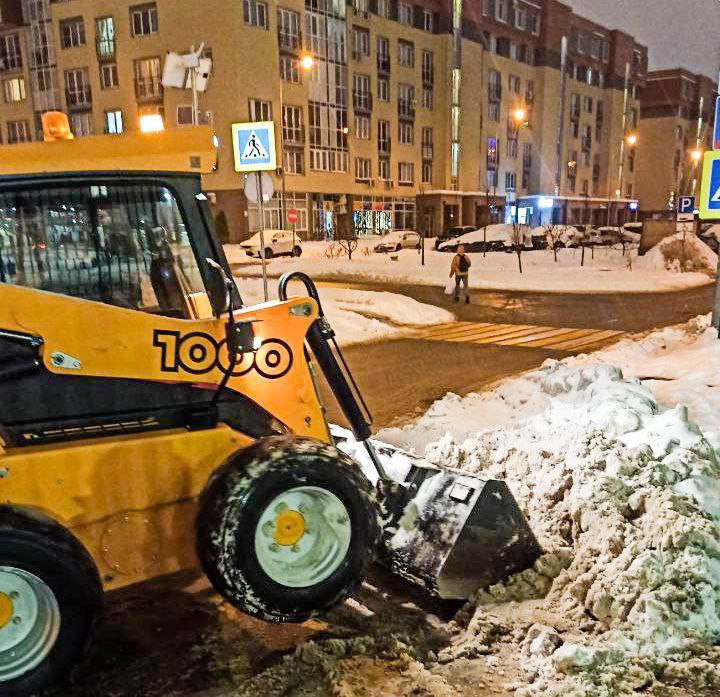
{"points": [[255, 506], [51, 596], [297, 251], [269, 253]]}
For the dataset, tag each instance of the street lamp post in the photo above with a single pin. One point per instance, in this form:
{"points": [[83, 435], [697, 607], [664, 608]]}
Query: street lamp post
{"points": [[519, 116], [631, 140], [695, 156]]}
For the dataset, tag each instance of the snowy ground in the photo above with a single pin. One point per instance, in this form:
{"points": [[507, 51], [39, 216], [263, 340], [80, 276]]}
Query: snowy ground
{"points": [[359, 315], [605, 269], [614, 459]]}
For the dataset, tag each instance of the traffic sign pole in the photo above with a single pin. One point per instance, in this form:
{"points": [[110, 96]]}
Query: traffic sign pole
{"points": [[261, 213]]}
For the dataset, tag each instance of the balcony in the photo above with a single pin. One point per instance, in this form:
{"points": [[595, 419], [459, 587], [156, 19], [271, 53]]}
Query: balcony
{"points": [[289, 42], [148, 88], [494, 92], [10, 61], [406, 109], [362, 102], [383, 65], [105, 48], [79, 98]]}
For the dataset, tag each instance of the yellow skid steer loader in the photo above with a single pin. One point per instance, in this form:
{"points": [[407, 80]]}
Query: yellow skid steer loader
{"points": [[149, 421]]}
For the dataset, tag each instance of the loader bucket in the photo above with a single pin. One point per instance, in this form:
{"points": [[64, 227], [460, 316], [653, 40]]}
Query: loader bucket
{"points": [[458, 533]]}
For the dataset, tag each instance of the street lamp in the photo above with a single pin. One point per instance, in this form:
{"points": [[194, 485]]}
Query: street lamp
{"points": [[631, 139], [519, 117], [695, 156]]}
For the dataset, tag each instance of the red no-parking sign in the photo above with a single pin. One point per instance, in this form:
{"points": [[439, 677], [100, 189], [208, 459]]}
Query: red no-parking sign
{"points": [[292, 216]]}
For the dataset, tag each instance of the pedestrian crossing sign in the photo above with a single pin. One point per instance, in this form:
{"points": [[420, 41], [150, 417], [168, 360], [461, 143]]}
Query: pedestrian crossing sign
{"points": [[254, 146], [709, 207]]}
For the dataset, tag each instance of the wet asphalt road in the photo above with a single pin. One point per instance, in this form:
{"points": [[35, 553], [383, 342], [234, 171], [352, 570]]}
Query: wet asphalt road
{"points": [[401, 377]]}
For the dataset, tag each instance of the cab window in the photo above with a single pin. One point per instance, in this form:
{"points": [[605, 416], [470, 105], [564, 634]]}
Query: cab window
{"points": [[125, 245]]}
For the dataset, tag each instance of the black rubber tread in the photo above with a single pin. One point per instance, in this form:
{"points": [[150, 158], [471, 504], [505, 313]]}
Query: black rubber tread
{"points": [[37, 544], [233, 501]]}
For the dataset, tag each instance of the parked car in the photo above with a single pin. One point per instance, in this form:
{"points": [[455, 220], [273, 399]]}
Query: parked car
{"points": [[277, 243], [491, 239], [398, 239], [558, 235], [452, 233], [606, 236], [632, 232]]}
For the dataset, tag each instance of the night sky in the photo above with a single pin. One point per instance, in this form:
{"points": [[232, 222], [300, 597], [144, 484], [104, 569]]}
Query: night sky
{"points": [[679, 33]]}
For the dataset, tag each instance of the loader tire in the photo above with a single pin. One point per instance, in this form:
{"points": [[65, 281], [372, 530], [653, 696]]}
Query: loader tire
{"points": [[50, 601], [287, 528]]}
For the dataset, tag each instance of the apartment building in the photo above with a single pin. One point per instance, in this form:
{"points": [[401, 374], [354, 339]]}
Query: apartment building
{"points": [[408, 115], [676, 124]]}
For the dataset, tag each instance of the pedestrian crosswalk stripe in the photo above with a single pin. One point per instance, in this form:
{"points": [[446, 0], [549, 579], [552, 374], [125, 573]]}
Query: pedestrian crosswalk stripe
{"points": [[569, 339]]}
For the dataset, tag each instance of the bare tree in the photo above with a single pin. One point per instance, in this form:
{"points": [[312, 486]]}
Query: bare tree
{"points": [[518, 241], [346, 234], [555, 235]]}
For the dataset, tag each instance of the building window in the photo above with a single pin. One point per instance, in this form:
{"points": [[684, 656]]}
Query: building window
{"points": [[406, 53], [18, 132], [494, 111], [288, 29], [383, 137], [534, 24], [360, 7], [405, 133], [81, 124], [10, 54], [290, 69], [77, 88], [406, 173], [14, 89], [363, 169], [510, 180], [184, 115], [427, 97], [384, 168], [494, 86], [428, 68], [72, 32], [520, 17], [512, 148], [589, 103], [629, 191], [148, 78], [514, 84], [501, 10], [383, 8], [113, 122], [427, 172], [294, 161], [105, 37], [293, 125], [428, 21], [405, 13], [144, 19], [255, 13], [631, 161], [406, 101], [383, 89], [260, 110], [108, 76], [361, 42], [362, 127]]}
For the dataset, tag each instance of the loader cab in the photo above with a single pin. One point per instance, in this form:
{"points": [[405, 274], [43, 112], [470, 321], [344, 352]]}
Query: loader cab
{"points": [[112, 232]]}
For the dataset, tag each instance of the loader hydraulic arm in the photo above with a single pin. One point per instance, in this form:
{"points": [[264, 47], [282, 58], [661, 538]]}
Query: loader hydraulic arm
{"points": [[329, 357]]}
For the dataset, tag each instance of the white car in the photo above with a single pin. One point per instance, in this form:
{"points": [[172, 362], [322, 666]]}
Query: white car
{"points": [[397, 240], [277, 243]]}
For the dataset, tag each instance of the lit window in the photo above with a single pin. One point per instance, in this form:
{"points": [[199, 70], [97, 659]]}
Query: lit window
{"points": [[14, 89], [113, 122]]}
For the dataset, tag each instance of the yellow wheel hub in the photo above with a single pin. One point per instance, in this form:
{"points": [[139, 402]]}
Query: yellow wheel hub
{"points": [[289, 528], [6, 610]]}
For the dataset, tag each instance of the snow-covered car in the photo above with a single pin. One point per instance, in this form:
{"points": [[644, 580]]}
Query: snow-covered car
{"points": [[397, 240], [559, 235], [710, 235], [497, 237], [632, 232], [452, 233], [606, 236], [277, 243]]}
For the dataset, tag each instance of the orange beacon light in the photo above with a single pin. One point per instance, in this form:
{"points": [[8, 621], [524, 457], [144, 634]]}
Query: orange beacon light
{"points": [[56, 126]]}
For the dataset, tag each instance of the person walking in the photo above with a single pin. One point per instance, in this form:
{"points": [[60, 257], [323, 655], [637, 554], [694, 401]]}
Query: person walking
{"points": [[460, 268]]}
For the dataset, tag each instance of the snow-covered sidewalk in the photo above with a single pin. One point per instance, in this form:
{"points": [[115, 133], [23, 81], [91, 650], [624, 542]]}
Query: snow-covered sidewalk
{"points": [[606, 270], [358, 316], [614, 459]]}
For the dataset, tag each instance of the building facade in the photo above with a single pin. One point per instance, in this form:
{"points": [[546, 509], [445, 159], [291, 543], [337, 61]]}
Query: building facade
{"points": [[422, 114], [676, 125]]}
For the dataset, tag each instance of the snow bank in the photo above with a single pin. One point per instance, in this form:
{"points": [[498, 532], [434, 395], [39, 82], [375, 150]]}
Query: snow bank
{"points": [[358, 316], [606, 269], [678, 253], [624, 494]]}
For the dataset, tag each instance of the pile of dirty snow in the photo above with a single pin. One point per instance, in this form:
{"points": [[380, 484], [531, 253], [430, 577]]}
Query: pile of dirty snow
{"points": [[624, 497], [680, 252]]}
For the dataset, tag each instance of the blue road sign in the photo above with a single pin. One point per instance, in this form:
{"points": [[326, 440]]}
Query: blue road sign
{"points": [[716, 132], [710, 192], [686, 204], [254, 146]]}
